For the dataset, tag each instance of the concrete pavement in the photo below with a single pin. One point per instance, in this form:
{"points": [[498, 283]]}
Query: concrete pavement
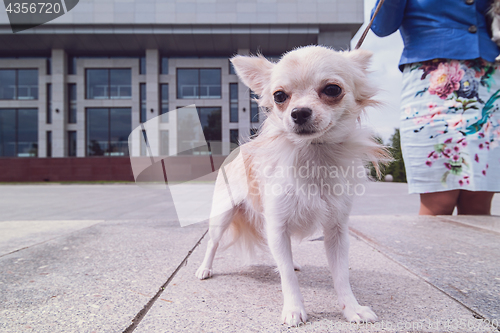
{"points": [[91, 258]]}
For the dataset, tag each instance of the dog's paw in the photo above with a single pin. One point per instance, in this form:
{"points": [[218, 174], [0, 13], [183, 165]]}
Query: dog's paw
{"points": [[294, 315], [360, 314], [203, 273]]}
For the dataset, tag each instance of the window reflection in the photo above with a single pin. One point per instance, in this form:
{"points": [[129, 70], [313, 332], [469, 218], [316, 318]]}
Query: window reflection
{"points": [[19, 132], [27, 87], [164, 103], [254, 108], [18, 84], [233, 102], [107, 131], [72, 143], [198, 83], [211, 123], [112, 83]]}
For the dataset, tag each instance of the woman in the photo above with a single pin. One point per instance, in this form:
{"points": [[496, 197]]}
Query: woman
{"points": [[450, 131]]}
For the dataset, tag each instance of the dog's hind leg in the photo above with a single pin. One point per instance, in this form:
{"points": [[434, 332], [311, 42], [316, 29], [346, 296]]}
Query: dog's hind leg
{"points": [[218, 226], [337, 251]]}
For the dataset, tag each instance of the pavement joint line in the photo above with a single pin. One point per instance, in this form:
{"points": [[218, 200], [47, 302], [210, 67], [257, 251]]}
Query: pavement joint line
{"points": [[446, 219], [48, 240], [141, 314], [360, 236]]}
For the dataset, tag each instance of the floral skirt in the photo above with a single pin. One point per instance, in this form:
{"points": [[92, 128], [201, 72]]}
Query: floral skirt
{"points": [[450, 129]]}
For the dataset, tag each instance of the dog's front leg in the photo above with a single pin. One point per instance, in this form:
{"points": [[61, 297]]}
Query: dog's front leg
{"points": [[280, 245], [337, 252]]}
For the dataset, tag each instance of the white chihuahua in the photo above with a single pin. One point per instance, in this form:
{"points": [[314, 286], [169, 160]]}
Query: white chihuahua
{"points": [[298, 172]]}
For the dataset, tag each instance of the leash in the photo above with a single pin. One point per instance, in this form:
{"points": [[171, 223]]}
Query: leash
{"points": [[363, 36]]}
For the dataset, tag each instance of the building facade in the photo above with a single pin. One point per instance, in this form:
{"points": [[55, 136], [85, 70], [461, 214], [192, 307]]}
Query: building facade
{"points": [[77, 86]]}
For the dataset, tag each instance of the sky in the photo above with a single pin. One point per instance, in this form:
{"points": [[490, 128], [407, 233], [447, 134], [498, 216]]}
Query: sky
{"points": [[386, 74]]}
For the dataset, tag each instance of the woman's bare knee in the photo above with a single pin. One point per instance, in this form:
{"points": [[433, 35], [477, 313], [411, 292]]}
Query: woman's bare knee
{"points": [[438, 203], [474, 203]]}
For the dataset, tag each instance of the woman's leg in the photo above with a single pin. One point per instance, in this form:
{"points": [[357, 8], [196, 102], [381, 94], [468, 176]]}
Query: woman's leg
{"points": [[438, 203], [474, 203]]}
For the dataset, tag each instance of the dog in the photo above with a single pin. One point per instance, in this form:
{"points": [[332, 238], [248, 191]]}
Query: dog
{"points": [[313, 98], [494, 14]]}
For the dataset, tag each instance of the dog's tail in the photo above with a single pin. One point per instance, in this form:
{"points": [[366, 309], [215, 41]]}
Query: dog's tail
{"points": [[244, 236]]}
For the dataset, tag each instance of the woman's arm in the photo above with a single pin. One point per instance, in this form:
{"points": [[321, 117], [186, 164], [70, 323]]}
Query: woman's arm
{"points": [[389, 18]]}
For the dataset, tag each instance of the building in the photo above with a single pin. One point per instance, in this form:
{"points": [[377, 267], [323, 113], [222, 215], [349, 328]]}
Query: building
{"points": [[74, 88]]}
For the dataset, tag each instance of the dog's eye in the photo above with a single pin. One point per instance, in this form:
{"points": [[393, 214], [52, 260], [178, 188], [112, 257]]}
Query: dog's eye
{"points": [[280, 97], [332, 90]]}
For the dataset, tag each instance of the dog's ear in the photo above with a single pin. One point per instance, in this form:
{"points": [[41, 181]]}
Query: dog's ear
{"points": [[361, 58], [254, 71]]}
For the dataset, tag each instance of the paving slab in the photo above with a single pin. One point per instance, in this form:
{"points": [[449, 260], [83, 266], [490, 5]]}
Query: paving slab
{"points": [[84, 202], [93, 280], [460, 259], [248, 298], [17, 235], [89, 258]]}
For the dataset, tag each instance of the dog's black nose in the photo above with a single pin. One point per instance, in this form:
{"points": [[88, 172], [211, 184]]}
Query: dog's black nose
{"points": [[301, 115]]}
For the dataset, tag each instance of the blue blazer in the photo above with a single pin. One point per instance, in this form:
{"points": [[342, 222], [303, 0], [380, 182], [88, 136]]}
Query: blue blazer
{"points": [[452, 29]]}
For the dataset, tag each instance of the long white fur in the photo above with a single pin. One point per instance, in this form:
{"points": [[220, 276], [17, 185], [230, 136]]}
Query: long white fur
{"points": [[494, 12], [265, 217]]}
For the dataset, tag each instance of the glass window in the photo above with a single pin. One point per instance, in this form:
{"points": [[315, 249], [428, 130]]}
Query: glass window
{"points": [[107, 131], [97, 131], [142, 65], [19, 132], [71, 65], [109, 84], [233, 102], [72, 143], [120, 83], [234, 138], [49, 143], [198, 83], [164, 103], [164, 65], [211, 123], [8, 146], [97, 83], [18, 84], [164, 143], [143, 112], [253, 133], [72, 103], [7, 84], [187, 83], [48, 115], [49, 66], [254, 108], [27, 132], [27, 87], [231, 68], [120, 128], [144, 143], [210, 82]]}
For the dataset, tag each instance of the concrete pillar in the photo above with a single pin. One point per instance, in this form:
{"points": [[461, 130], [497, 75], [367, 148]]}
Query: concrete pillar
{"points": [[59, 103]]}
